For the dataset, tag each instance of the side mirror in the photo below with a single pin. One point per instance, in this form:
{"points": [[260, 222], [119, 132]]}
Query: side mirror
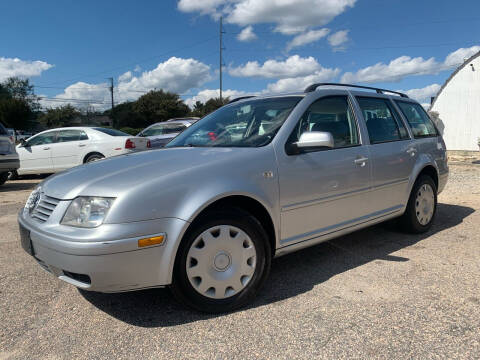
{"points": [[315, 139], [23, 142]]}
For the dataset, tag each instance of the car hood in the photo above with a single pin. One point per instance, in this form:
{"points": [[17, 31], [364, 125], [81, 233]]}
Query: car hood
{"points": [[115, 176]]}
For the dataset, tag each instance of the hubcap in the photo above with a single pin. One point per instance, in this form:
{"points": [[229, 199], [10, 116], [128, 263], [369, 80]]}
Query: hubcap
{"points": [[221, 262], [425, 204]]}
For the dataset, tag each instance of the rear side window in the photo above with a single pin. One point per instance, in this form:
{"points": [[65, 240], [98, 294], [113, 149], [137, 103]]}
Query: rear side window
{"points": [[421, 124], [71, 135], [383, 123], [331, 114], [3, 131]]}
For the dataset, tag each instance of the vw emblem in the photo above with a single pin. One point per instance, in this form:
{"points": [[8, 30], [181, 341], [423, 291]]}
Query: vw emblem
{"points": [[34, 202]]}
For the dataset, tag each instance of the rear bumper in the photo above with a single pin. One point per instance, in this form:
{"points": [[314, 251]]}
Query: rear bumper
{"points": [[9, 162], [107, 265]]}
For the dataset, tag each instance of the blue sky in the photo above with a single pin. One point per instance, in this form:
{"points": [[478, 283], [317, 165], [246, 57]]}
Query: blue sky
{"points": [[69, 48]]}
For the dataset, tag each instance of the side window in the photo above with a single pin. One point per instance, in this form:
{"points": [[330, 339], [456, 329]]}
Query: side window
{"points": [[331, 114], [383, 123], [71, 135], [421, 124], [47, 138]]}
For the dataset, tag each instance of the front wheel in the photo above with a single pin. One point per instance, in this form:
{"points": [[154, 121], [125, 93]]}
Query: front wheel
{"points": [[421, 207], [222, 262], [13, 175], [94, 157]]}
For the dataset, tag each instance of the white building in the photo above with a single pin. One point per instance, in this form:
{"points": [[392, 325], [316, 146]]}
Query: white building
{"points": [[458, 106]]}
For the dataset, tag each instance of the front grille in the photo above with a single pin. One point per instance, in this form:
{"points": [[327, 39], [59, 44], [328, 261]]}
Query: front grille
{"points": [[44, 208]]}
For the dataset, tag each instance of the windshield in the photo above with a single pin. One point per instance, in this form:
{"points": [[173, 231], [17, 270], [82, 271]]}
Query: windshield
{"points": [[247, 124], [163, 129], [111, 132]]}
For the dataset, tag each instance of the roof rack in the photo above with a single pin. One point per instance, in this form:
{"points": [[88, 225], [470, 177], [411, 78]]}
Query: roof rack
{"points": [[240, 98], [313, 87]]}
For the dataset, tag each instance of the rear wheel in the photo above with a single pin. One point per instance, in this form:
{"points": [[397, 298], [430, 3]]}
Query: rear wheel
{"points": [[94, 157], [3, 178], [222, 262], [421, 207]]}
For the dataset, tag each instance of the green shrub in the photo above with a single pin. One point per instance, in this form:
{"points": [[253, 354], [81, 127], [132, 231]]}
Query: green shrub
{"points": [[131, 131]]}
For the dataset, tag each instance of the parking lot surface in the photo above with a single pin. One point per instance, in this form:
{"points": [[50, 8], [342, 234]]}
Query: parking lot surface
{"points": [[376, 293]]}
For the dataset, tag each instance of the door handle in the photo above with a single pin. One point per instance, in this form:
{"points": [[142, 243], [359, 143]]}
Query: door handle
{"points": [[81, 145], [46, 148], [361, 161], [411, 151]]}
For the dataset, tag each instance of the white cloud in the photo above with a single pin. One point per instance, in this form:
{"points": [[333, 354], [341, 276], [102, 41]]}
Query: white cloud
{"points": [[301, 82], [289, 16], [207, 94], [457, 57], [137, 68], [394, 71], [293, 66], [15, 67], [338, 38], [423, 94], [404, 66], [307, 38], [176, 75], [126, 76], [247, 34], [201, 6]]}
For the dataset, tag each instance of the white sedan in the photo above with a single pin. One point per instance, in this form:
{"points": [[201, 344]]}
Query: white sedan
{"points": [[55, 150]]}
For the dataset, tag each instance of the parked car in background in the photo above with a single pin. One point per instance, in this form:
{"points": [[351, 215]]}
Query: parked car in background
{"points": [[12, 135], [23, 135], [162, 132], [8, 155], [256, 179], [55, 150]]}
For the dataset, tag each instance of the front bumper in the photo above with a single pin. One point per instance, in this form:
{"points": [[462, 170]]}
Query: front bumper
{"points": [[107, 258]]}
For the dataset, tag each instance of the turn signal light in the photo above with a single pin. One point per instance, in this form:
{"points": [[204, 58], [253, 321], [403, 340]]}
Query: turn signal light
{"points": [[149, 144], [155, 240]]}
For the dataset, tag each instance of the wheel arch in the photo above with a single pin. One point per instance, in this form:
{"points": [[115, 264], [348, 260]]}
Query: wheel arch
{"points": [[90, 153], [243, 202]]}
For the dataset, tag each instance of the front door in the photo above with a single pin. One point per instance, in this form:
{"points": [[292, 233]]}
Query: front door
{"points": [[324, 191], [35, 156]]}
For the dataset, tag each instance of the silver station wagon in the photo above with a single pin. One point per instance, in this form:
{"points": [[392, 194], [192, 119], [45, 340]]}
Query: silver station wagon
{"points": [[258, 178]]}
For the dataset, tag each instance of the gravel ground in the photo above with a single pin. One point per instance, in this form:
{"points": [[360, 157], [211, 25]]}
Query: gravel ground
{"points": [[376, 293]]}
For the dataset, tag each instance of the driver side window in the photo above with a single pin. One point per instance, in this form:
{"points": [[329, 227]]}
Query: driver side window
{"points": [[330, 114], [42, 139]]}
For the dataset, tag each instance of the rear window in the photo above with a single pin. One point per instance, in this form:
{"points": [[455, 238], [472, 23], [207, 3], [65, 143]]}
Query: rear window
{"points": [[421, 124], [111, 132], [3, 131]]}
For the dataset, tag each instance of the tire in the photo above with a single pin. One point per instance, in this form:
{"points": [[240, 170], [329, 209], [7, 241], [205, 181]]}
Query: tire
{"points": [[225, 263], [422, 206], [94, 157], [3, 178], [12, 175]]}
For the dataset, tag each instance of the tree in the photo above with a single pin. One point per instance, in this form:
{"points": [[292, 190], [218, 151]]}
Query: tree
{"points": [[126, 116], [211, 105], [58, 117], [158, 106], [18, 103]]}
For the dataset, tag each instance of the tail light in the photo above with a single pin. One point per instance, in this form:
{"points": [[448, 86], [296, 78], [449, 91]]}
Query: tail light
{"points": [[12, 140], [149, 144], [129, 144]]}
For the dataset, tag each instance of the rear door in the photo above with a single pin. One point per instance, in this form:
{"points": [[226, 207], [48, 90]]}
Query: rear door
{"points": [[35, 156], [392, 153], [67, 150], [326, 190]]}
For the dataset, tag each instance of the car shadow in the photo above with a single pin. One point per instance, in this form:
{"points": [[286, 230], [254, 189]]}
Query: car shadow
{"points": [[290, 275]]}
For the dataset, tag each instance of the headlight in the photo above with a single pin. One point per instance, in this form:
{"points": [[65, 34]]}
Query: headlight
{"points": [[32, 200], [87, 211]]}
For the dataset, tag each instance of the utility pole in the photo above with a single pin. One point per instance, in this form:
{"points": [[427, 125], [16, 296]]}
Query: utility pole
{"points": [[221, 58], [111, 93]]}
